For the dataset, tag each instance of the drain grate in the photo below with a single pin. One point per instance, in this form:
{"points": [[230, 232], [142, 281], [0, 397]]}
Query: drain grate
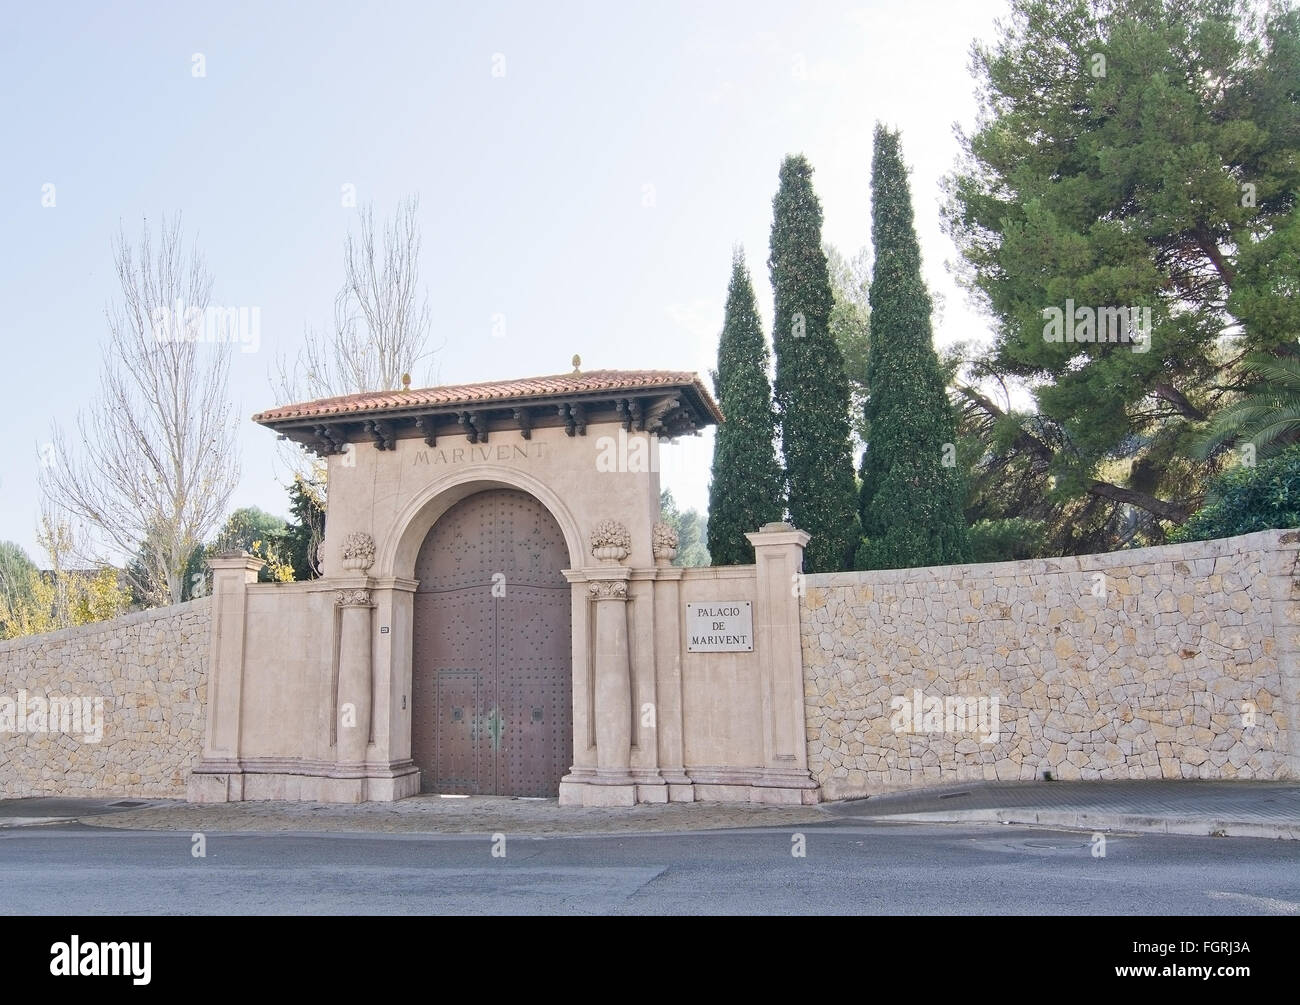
{"points": [[953, 795], [127, 803]]}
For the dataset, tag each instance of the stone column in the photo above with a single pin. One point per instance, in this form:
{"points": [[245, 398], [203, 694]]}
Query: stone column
{"points": [[355, 699], [390, 773], [610, 782], [643, 651], [668, 665], [778, 559], [353, 709], [218, 776], [613, 679]]}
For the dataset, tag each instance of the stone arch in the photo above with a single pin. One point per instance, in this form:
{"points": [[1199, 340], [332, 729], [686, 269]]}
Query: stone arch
{"points": [[417, 517]]}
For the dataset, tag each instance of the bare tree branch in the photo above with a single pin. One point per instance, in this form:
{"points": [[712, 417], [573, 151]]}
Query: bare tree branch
{"points": [[153, 463], [381, 323], [381, 316]]}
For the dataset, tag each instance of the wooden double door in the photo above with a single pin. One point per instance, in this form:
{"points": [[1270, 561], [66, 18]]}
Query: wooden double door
{"points": [[492, 666]]}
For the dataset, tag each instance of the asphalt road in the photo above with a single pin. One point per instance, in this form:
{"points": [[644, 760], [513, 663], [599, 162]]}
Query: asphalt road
{"points": [[848, 867]]}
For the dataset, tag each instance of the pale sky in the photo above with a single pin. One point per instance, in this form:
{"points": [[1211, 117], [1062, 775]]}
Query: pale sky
{"points": [[590, 194]]}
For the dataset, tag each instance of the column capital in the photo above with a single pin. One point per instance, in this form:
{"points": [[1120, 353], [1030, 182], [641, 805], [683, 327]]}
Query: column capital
{"points": [[607, 589], [353, 598]]}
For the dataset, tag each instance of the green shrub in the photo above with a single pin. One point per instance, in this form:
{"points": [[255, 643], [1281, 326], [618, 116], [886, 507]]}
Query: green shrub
{"points": [[1009, 540], [1246, 499]]}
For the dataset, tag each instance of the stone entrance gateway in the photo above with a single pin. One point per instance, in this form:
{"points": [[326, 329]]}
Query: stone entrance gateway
{"points": [[493, 663], [498, 611]]}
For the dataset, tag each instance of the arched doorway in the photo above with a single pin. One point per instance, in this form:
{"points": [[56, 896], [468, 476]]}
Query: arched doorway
{"points": [[493, 663]]}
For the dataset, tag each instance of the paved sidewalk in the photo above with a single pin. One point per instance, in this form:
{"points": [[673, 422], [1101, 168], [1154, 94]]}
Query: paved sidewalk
{"points": [[1220, 809], [1228, 809], [37, 810], [419, 814]]}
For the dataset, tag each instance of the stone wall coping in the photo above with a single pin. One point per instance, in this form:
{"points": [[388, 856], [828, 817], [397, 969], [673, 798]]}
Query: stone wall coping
{"points": [[719, 572], [301, 586], [196, 606], [1266, 541]]}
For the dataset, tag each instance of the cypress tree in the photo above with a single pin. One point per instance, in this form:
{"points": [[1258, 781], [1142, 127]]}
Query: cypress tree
{"points": [[745, 492], [812, 390], [911, 498]]}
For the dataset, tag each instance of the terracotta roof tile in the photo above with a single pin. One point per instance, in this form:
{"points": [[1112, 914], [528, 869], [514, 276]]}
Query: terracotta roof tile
{"points": [[494, 392]]}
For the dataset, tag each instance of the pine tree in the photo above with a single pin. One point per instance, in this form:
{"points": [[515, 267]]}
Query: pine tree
{"points": [[1142, 155], [812, 390], [746, 489], [911, 498]]}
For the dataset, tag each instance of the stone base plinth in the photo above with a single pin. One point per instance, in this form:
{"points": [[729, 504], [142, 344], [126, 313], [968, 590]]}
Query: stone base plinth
{"points": [[756, 794], [318, 782], [590, 787], [587, 794], [754, 785]]}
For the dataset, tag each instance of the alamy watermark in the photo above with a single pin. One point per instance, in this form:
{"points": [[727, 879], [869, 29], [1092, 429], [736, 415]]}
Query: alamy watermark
{"points": [[626, 453], [75, 958], [954, 713], [76, 715], [1122, 325], [241, 325]]}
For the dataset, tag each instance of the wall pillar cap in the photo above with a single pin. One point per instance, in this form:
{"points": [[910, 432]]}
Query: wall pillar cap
{"points": [[236, 560], [778, 534]]}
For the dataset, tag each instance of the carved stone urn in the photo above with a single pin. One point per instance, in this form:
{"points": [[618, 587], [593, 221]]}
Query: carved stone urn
{"points": [[610, 541], [663, 541], [358, 552]]}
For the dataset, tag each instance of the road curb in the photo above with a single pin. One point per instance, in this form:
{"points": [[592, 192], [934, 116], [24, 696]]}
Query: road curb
{"points": [[8, 822], [1093, 821]]}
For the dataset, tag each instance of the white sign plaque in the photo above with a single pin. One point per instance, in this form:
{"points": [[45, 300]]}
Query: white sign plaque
{"points": [[724, 626]]}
